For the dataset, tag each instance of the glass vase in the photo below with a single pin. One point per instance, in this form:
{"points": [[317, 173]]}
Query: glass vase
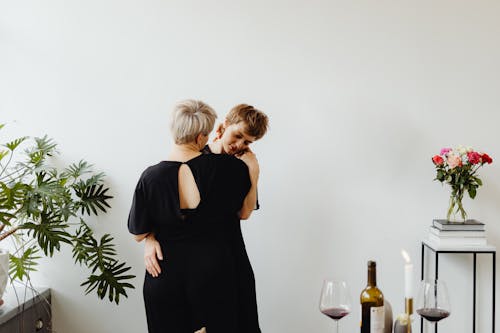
{"points": [[456, 211]]}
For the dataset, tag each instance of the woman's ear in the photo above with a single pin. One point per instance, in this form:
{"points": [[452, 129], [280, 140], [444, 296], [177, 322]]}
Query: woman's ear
{"points": [[219, 131], [200, 139]]}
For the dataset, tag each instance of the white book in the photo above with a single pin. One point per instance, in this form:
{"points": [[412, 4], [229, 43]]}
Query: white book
{"points": [[457, 241], [457, 233]]}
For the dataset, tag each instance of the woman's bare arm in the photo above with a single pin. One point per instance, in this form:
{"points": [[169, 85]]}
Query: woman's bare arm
{"points": [[140, 237], [152, 253], [251, 199]]}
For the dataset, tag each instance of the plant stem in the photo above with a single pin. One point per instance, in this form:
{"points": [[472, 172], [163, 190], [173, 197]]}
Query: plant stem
{"points": [[9, 176], [456, 206], [8, 233], [7, 164]]}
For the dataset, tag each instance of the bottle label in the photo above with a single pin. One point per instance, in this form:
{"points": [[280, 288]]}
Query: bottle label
{"points": [[361, 316], [377, 319]]}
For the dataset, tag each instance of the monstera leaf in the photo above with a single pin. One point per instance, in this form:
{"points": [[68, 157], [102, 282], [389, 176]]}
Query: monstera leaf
{"points": [[43, 209]]}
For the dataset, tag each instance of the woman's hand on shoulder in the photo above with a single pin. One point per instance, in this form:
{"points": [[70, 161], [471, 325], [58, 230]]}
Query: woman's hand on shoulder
{"points": [[251, 161], [152, 253]]}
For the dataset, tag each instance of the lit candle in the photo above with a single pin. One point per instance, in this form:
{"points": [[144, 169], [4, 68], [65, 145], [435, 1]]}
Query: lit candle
{"points": [[408, 275]]}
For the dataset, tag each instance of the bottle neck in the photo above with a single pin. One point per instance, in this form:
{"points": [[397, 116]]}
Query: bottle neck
{"points": [[372, 277]]}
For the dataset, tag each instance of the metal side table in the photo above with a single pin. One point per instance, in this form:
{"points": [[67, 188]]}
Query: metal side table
{"points": [[474, 250]]}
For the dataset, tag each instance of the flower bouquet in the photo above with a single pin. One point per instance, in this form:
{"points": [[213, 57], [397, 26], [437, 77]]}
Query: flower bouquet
{"points": [[458, 168]]}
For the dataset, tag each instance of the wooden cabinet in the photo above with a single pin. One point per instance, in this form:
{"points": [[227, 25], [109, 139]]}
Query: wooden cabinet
{"points": [[25, 311]]}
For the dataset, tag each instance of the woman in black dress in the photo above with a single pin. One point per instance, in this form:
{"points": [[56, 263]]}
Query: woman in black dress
{"points": [[243, 125], [189, 203]]}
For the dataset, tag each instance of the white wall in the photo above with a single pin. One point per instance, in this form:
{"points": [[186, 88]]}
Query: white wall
{"points": [[360, 95]]}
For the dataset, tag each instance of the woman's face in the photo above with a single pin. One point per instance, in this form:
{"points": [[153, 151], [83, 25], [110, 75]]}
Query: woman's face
{"points": [[235, 140]]}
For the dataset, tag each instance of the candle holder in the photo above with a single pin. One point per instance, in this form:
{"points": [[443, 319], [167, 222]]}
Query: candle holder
{"points": [[409, 306], [402, 324], [408, 312], [403, 321]]}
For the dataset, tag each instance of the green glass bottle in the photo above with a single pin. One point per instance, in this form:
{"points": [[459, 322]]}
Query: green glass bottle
{"points": [[372, 304]]}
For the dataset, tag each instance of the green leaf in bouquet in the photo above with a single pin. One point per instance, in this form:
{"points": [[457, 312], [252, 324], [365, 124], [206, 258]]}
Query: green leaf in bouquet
{"points": [[472, 191]]}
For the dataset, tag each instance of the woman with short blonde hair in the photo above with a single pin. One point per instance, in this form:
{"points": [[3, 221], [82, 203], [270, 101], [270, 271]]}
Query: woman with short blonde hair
{"points": [[243, 125], [190, 118], [191, 204]]}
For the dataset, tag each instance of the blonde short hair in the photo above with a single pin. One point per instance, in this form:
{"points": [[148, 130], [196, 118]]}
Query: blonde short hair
{"points": [[256, 121], [191, 118]]}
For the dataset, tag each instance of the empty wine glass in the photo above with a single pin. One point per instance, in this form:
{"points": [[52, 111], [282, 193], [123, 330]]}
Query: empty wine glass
{"points": [[433, 302], [335, 301]]}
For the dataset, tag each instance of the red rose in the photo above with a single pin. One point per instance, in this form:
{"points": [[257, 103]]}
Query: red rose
{"points": [[438, 160], [486, 158], [474, 157]]}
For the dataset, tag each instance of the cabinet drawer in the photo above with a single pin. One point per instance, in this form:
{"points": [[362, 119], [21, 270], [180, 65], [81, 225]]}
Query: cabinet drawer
{"points": [[32, 316]]}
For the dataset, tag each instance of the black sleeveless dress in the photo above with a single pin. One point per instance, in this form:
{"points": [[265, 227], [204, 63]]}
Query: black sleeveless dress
{"points": [[247, 300], [200, 283]]}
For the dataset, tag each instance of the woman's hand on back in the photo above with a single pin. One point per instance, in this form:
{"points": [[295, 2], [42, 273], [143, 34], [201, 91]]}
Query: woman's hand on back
{"points": [[152, 253]]}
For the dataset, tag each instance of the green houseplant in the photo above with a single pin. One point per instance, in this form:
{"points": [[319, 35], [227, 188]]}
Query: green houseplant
{"points": [[43, 208]]}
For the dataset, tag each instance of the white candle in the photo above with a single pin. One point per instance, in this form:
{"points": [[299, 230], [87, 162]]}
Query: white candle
{"points": [[408, 275]]}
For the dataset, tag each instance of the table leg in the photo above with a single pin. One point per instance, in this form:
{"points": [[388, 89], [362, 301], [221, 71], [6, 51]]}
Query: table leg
{"points": [[474, 295], [494, 277], [422, 257], [436, 276], [422, 263]]}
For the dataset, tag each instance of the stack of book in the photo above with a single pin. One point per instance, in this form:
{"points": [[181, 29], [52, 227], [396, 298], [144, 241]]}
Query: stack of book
{"points": [[468, 233]]}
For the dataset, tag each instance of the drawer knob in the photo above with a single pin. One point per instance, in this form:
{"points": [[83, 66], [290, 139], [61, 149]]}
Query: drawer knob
{"points": [[39, 324]]}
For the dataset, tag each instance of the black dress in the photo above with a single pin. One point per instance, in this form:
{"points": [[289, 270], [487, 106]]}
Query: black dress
{"points": [[200, 283], [247, 301]]}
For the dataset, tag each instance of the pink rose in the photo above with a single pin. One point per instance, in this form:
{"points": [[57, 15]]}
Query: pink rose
{"points": [[454, 161], [444, 151], [438, 160], [474, 157]]}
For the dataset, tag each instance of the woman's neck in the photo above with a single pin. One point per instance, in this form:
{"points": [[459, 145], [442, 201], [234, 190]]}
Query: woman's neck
{"points": [[183, 152], [216, 147]]}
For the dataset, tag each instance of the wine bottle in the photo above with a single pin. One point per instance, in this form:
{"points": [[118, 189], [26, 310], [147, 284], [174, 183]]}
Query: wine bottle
{"points": [[372, 304]]}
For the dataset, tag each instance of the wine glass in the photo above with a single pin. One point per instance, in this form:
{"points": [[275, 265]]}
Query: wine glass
{"points": [[433, 302], [335, 301]]}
